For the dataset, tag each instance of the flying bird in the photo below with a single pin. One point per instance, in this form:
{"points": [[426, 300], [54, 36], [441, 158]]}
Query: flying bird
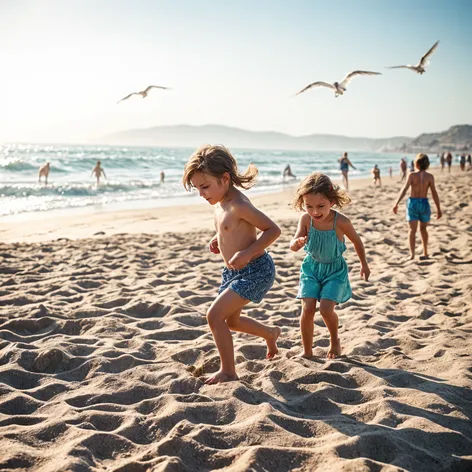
{"points": [[143, 93], [338, 87], [420, 67]]}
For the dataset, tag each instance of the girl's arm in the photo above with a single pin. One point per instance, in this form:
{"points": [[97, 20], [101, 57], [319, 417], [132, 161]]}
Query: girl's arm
{"points": [[270, 232], [351, 233], [350, 163], [299, 240], [402, 194]]}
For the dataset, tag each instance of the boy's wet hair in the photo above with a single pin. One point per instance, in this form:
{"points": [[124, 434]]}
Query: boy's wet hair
{"points": [[215, 161], [422, 161], [320, 183]]}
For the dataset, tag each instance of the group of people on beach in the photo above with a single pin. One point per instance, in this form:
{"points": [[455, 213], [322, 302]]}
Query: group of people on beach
{"points": [[249, 271], [446, 158]]}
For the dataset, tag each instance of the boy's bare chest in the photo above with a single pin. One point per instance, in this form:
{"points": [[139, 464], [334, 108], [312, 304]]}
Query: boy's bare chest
{"points": [[226, 221]]}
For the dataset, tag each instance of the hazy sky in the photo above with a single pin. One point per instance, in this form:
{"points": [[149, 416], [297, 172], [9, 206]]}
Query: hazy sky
{"points": [[65, 64]]}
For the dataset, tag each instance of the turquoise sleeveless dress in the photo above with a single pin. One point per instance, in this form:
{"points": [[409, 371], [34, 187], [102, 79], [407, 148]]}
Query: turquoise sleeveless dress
{"points": [[324, 272]]}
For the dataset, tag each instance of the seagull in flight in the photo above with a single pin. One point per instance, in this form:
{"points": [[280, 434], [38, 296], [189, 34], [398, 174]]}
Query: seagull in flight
{"points": [[143, 93], [420, 67], [339, 87]]}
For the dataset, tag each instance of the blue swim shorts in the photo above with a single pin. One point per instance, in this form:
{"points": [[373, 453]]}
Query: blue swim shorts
{"points": [[418, 209], [251, 282]]}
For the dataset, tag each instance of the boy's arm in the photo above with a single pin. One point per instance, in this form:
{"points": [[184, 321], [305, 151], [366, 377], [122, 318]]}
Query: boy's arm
{"points": [[270, 232], [299, 240], [402, 193], [213, 244], [347, 228], [435, 195]]}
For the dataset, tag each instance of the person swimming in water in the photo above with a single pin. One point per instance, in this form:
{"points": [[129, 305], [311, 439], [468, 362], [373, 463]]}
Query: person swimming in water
{"points": [[44, 172]]}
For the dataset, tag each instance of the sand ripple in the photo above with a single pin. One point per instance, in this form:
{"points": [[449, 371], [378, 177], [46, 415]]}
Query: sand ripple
{"points": [[103, 340]]}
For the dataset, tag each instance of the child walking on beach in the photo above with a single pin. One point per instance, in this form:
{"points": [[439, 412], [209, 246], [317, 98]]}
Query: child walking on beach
{"points": [[417, 206], [249, 271], [324, 273]]}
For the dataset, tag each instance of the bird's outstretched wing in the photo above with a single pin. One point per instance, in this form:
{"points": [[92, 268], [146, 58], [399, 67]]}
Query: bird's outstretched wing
{"points": [[400, 67], [149, 87], [349, 76], [127, 96], [424, 59], [317, 84]]}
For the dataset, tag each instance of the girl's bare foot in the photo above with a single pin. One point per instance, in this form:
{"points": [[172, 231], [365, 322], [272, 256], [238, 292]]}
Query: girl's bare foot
{"points": [[307, 355], [220, 377], [334, 349], [272, 349]]}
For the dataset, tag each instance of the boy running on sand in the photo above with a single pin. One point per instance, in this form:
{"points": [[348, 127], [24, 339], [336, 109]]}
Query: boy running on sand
{"points": [[249, 271]]}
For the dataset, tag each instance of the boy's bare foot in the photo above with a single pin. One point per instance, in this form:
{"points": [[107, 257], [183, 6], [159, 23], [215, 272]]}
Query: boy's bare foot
{"points": [[220, 377], [411, 257], [272, 349], [334, 349], [307, 355]]}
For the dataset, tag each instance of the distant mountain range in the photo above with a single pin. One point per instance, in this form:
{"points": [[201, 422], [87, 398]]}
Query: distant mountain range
{"points": [[456, 138], [193, 136]]}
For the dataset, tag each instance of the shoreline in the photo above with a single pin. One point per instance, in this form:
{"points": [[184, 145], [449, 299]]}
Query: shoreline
{"points": [[141, 204], [86, 222]]}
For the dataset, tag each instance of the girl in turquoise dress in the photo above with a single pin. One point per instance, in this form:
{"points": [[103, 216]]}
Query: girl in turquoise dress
{"points": [[324, 273]]}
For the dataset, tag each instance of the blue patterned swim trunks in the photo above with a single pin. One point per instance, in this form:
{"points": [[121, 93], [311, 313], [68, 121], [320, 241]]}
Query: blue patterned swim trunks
{"points": [[418, 209], [251, 282]]}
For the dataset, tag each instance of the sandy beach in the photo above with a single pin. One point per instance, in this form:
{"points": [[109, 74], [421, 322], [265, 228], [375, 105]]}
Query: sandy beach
{"points": [[103, 338]]}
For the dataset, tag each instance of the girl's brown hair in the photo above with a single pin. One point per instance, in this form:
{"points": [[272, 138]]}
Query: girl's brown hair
{"points": [[320, 183], [215, 161], [422, 161]]}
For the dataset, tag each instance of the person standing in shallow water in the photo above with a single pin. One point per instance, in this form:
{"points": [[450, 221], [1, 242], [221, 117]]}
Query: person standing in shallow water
{"points": [[249, 270], [98, 171], [417, 206], [344, 164], [288, 172], [44, 172]]}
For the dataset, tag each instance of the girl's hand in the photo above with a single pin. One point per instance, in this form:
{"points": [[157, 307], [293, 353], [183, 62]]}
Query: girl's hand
{"points": [[239, 260], [213, 246], [365, 272], [395, 209], [439, 214], [298, 243]]}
